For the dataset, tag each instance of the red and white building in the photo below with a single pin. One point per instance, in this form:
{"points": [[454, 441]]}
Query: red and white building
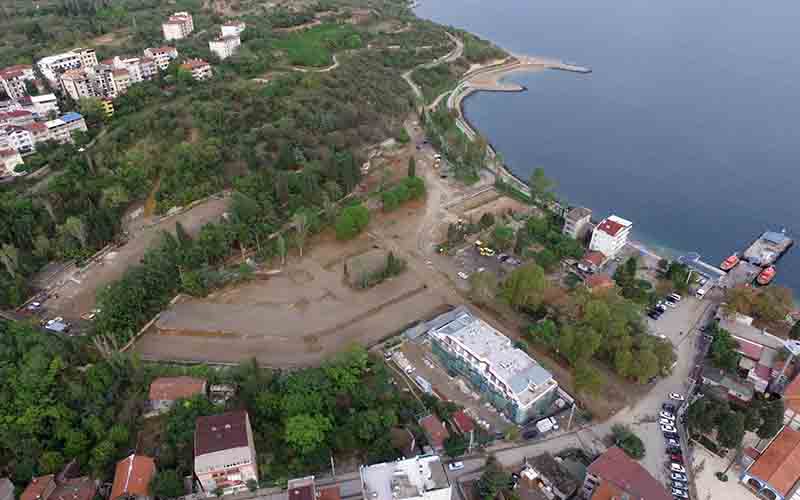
{"points": [[162, 56], [610, 236], [52, 67], [199, 69], [18, 117], [132, 478], [224, 452], [178, 26], [13, 78]]}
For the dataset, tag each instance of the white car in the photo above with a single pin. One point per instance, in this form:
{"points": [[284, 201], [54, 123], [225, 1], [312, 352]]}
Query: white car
{"points": [[455, 465], [667, 415], [672, 442], [677, 468], [666, 421], [679, 493], [676, 396], [463, 275], [668, 428], [675, 297]]}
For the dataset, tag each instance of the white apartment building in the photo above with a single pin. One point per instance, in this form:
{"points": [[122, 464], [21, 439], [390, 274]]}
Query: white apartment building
{"points": [[610, 236], [232, 28], [40, 105], [13, 78], [418, 478], [53, 66], [162, 56], [78, 83], [19, 117], [225, 46], [224, 452], [17, 138], [199, 69], [61, 129], [9, 159], [510, 379], [178, 26]]}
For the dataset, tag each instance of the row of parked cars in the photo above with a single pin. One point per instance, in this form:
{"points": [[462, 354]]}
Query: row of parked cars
{"points": [[667, 418], [662, 306]]}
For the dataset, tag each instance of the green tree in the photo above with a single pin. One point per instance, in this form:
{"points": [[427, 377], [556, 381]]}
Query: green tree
{"points": [[167, 484], [723, 351], [493, 480], [92, 110], [541, 186], [307, 433], [300, 224], [794, 333], [771, 419], [280, 248], [351, 221], [503, 237], [525, 286], [486, 221], [455, 445], [483, 287], [587, 379], [630, 443], [730, 429], [412, 167]]}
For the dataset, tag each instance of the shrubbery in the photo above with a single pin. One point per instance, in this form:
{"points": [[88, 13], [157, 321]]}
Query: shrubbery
{"points": [[409, 188]]}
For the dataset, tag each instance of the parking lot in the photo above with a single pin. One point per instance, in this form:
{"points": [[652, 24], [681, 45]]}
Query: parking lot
{"points": [[705, 465]]}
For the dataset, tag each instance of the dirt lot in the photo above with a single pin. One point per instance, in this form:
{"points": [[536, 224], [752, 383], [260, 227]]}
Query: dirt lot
{"points": [[77, 289]]}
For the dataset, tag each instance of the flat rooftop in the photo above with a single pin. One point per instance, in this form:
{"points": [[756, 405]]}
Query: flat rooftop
{"points": [[403, 479], [521, 373]]}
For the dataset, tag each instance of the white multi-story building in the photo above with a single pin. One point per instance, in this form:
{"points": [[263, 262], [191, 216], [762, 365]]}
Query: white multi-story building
{"points": [[161, 55], [61, 129], [510, 379], [224, 452], [178, 26], [17, 138], [53, 66], [139, 68], [41, 106], [577, 222], [13, 78], [19, 117], [232, 28], [225, 46], [418, 478], [199, 69], [610, 236], [78, 83], [9, 159]]}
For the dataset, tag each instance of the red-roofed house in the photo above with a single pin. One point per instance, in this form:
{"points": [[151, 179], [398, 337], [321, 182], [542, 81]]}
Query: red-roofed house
{"points": [[592, 262], [60, 487], [199, 69], [462, 422], [178, 26], [435, 430], [776, 472], [624, 475], [13, 78], [164, 391], [611, 235], [132, 478], [224, 452]]}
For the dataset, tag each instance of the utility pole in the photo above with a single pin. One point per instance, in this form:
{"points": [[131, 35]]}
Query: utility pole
{"points": [[333, 467], [571, 413]]}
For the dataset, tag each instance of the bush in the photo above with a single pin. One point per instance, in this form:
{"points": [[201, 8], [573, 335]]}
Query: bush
{"points": [[630, 443], [351, 222], [409, 188]]}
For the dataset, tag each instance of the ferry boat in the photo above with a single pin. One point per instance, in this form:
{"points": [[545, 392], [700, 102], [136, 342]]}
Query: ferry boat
{"points": [[766, 276], [729, 263]]}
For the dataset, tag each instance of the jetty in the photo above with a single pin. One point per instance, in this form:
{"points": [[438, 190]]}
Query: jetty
{"points": [[768, 248]]}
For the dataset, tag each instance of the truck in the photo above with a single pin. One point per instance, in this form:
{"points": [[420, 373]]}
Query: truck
{"points": [[546, 425]]}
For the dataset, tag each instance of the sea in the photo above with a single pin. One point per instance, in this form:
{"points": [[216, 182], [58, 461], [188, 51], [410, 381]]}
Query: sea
{"points": [[688, 125]]}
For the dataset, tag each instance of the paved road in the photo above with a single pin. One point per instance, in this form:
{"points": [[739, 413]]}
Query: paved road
{"points": [[449, 57]]}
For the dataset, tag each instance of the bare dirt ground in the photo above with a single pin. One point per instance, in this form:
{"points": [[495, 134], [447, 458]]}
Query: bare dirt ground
{"points": [[77, 289]]}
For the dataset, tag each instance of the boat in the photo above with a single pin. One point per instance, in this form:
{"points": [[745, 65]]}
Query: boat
{"points": [[729, 263], [766, 276]]}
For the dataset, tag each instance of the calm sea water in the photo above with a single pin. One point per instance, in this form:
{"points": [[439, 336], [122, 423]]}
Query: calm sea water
{"points": [[688, 126]]}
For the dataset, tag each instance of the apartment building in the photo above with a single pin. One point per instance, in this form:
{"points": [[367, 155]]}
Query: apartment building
{"points": [[53, 66], [226, 46], [224, 452], [178, 26], [78, 84], [13, 78], [162, 56], [41, 106], [18, 117], [577, 222], [418, 478], [506, 376], [232, 28], [61, 129], [199, 69], [9, 159], [610, 236]]}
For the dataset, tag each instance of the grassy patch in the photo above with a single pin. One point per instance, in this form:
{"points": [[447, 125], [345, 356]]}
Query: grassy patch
{"points": [[315, 47]]}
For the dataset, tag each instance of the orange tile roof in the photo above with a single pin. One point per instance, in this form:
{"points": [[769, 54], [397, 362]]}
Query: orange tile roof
{"points": [[330, 493], [779, 465], [133, 476], [607, 491], [37, 487], [626, 474], [172, 388], [435, 430], [791, 396]]}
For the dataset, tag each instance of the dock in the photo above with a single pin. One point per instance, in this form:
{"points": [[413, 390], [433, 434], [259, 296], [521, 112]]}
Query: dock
{"points": [[742, 274], [768, 248], [693, 262], [550, 63]]}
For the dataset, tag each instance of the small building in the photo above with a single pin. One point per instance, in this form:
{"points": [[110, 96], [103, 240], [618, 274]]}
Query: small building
{"points": [[462, 422], [162, 56], [61, 486], [615, 475], [775, 473], [435, 431], [6, 489], [13, 80], [62, 129], [232, 28], [418, 478], [547, 474], [42, 106], [577, 223], [179, 25], [224, 452], [53, 66], [727, 386], [225, 46], [164, 391], [592, 262], [199, 69], [132, 478], [610, 236], [598, 283], [9, 160]]}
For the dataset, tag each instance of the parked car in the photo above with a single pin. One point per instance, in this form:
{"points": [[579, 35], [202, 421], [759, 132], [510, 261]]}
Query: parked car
{"points": [[667, 415], [675, 297], [455, 465], [676, 396], [665, 421], [668, 407], [463, 275], [654, 314], [678, 459], [672, 442], [530, 434], [679, 493], [677, 468], [679, 485], [677, 476], [674, 450], [668, 428], [34, 306]]}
